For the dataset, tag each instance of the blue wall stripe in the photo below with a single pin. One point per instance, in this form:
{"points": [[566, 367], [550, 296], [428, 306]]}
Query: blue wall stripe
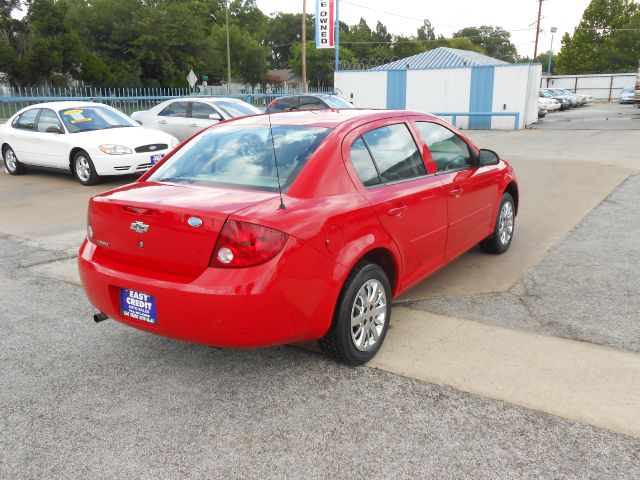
{"points": [[397, 89], [481, 99]]}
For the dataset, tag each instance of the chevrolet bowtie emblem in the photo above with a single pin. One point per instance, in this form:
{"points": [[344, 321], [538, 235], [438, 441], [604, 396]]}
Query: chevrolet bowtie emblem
{"points": [[139, 227]]}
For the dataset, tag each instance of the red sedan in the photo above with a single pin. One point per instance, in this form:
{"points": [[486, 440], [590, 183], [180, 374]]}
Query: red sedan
{"points": [[302, 226]]}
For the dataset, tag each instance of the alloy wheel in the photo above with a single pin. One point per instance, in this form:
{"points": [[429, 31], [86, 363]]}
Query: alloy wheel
{"points": [[11, 160], [505, 223], [83, 170], [368, 315]]}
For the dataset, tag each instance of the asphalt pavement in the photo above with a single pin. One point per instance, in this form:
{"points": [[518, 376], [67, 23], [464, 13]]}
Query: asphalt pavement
{"points": [[86, 400], [587, 288]]}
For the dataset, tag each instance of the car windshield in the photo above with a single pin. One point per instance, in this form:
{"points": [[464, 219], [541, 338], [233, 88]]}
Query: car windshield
{"points": [[236, 109], [86, 119], [242, 156], [337, 102], [627, 90]]}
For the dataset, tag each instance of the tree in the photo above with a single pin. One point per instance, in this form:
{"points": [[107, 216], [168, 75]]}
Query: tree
{"points": [[285, 30], [495, 41], [621, 50], [586, 50], [320, 62], [426, 32]]}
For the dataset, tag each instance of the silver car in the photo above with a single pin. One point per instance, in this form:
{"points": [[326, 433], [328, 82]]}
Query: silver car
{"points": [[627, 95], [182, 117]]}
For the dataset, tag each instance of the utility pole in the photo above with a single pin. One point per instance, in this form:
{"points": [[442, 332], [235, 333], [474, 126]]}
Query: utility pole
{"points": [[337, 35], [228, 52], [304, 46], [535, 50]]}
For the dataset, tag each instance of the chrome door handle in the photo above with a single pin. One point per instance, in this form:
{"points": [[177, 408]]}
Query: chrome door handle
{"points": [[193, 124], [397, 212], [162, 122], [456, 192]]}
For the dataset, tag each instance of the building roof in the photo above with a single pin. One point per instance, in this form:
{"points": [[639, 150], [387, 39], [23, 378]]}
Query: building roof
{"points": [[441, 57]]}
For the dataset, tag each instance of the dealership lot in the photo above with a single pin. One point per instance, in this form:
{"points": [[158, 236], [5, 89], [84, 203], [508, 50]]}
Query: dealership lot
{"points": [[87, 400]]}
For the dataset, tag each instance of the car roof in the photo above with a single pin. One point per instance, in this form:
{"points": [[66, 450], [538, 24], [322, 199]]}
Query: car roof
{"points": [[66, 104], [329, 118], [319, 95], [208, 99]]}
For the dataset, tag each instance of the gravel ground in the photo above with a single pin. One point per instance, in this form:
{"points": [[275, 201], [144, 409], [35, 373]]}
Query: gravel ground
{"points": [[80, 400], [587, 288]]}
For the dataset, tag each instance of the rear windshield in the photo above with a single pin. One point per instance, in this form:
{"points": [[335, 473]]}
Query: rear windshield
{"points": [[236, 109], [337, 102], [242, 156]]}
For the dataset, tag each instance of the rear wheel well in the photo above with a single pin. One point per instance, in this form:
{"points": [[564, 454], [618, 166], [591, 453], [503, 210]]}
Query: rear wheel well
{"points": [[384, 259], [4, 148], [512, 189]]}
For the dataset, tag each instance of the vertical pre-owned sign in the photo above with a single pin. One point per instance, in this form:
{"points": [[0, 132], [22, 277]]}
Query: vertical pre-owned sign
{"points": [[325, 24]]}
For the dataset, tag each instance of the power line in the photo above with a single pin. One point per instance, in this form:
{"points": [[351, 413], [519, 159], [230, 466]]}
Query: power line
{"points": [[421, 20]]}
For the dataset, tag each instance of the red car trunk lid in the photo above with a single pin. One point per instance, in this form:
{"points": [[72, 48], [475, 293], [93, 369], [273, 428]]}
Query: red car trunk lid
{"points": [[165, 227]]}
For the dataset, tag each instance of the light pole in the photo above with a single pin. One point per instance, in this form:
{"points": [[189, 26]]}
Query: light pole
{"points": [[553, 30], [228, 51], [304, 46]]}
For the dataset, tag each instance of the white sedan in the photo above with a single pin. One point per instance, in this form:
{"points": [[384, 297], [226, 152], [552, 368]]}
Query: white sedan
{"points": [[551, 104], [89, 139], [182, 117]]}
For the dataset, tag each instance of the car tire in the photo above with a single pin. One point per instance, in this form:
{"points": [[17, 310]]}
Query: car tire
{"points": [[11, 163], [83, 169], [502, 235], [351, 341]]}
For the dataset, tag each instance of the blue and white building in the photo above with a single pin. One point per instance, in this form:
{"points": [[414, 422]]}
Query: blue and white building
{"points": [[451, 83]]}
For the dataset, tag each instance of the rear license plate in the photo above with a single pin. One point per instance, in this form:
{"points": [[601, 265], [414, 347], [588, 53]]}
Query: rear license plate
{"points": [[156, 158], [138, 305]]}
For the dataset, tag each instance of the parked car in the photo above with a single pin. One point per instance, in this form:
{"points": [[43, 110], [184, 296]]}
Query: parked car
{"points": [[573, 98], [542, 110], [565, 102], [317, 101], [581, 99], [638, 87], [91, 140], [551, 104], [627, 95], [182, 117], [206, 249]]}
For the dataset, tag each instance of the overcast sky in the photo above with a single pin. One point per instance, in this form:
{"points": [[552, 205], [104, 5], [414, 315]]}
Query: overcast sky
{"points": [[405, 16]]}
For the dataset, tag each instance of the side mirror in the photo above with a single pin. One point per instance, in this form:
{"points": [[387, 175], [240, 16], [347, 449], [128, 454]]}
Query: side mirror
{"points": [[488, 157], [54, 129], [215, 116]]}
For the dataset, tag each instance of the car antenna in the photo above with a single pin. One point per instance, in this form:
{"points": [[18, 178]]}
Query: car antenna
{"points": [[275, 160]]}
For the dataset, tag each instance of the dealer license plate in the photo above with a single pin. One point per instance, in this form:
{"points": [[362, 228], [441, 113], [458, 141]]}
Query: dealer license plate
{"points": [[138, 305], [156, 158]]}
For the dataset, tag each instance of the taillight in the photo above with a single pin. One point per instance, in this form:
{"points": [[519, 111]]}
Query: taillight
{"points": [[242, 244]]}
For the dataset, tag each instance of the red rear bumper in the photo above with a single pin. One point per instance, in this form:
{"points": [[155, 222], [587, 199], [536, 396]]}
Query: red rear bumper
{"points": [[288, 299]]}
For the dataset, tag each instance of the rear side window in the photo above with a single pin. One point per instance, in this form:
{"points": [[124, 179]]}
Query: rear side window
{"points": [[284, 105], [448, 150], [311, 103], [27, 121], [176, 109], [202, 110], [395, 153], [363, 164]]}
